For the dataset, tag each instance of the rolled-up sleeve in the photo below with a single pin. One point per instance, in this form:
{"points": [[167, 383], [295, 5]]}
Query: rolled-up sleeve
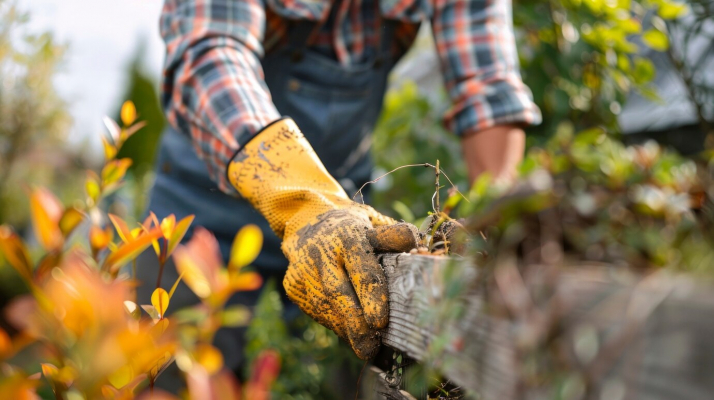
{"points": [[213, 84], [477, 50]]}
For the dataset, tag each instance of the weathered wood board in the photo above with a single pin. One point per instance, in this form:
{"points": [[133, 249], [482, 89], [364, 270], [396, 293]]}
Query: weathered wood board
{"points": [[617, 335]]}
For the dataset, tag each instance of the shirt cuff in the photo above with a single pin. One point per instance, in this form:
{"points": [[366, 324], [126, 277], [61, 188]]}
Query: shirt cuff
{"points": [[500, 103]]}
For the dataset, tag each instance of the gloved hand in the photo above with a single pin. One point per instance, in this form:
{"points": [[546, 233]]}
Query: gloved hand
{"points": [[333, 275]]}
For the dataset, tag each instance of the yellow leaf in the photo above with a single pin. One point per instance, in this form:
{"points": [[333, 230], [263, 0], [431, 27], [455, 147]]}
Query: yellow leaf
{"points": [[131, 250], [121, 377], [49, 371], [128, 113], [114, 171], [673, 10], [15, 252], [109, 392], [46, 212], [160, 301], [110, 151], [70, 219], [159, 328], [656, 40], [167, 226], [173, 288], [177, 233], [99, 238], [246, 246], [209, 357], [121, 227], [92, 187]]}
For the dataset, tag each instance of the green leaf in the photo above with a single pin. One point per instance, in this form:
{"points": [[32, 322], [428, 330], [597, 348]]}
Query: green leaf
{"points": [[235, 316], [644, 71], [114, 171], [656, 40], [70, 219], [403, 210]]}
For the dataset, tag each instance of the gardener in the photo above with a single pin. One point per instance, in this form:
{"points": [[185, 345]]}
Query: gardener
{"points": [[272, 106]]}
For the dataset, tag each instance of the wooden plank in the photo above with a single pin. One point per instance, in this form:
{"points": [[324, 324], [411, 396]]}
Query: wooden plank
{"points": [[591, 331]]}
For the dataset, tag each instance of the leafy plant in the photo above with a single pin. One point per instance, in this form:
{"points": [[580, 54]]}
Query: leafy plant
{"points": [[80, 334]]}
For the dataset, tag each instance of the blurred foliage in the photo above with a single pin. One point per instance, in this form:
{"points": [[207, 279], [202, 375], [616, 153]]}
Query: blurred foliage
{"points": [[142, 150], [409, 131], [313, 358], [79, 334], [33, 119], [581, 57], [695, 32], [587, 197]]}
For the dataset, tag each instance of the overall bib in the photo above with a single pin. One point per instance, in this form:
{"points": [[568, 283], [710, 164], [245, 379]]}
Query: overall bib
{"points": [[335, 106]]}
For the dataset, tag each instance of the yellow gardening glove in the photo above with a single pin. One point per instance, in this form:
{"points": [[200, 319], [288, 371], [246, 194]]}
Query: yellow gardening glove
{"points": [[334, 275]]}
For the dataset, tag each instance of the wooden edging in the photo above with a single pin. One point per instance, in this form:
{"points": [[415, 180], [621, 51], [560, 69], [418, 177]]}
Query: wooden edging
{"points": [[600, 332]]}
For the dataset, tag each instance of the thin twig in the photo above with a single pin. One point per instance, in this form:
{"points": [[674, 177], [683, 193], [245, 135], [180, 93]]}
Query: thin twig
{"points": [[437, 208], [427, 165]]}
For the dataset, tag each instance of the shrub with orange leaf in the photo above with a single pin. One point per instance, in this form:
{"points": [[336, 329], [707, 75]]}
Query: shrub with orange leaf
{"points": [[80, 325]]}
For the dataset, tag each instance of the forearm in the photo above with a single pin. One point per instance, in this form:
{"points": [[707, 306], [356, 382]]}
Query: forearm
{"points": [[213, 87], [497, 150]]}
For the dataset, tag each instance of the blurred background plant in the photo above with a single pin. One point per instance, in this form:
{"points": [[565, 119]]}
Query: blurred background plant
{"points": [[33, 118], [79, 333]]}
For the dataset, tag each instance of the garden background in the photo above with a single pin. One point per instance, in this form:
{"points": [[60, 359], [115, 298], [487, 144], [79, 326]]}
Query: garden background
{"points": [[632, 70]]}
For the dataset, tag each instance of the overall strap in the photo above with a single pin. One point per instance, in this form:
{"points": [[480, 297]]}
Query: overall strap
{"points": [[299, 37], [386, 41]]}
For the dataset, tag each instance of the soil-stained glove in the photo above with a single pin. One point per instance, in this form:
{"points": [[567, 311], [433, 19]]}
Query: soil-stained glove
{"points": [[334, 275]]}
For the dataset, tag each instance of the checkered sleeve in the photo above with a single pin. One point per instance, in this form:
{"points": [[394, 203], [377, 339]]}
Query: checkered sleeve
{"points": [[213, 84], [477, 50]]}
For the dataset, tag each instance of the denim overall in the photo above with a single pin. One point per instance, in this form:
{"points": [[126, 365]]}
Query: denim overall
{"points": [[335, 106]]}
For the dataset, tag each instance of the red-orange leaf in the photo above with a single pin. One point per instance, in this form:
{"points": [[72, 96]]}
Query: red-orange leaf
{"points": [[46, 212], [131, 250], [99, 238], [245, 281], [14, 251], [121, 227]]}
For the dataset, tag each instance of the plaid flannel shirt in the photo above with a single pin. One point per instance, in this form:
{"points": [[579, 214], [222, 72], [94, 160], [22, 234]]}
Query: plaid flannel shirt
{"points": [[213, 83]]}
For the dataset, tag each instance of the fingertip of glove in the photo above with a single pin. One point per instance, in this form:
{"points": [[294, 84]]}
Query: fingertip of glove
{"points": [[397, 238], [366, 347]]}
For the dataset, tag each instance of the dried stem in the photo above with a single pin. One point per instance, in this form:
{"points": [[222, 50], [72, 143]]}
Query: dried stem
{"points": [[427, 165], [437, 207], [162, 262]]}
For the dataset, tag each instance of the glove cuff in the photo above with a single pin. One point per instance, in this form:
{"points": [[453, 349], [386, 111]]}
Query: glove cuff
{"points": [[280, 174]]}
